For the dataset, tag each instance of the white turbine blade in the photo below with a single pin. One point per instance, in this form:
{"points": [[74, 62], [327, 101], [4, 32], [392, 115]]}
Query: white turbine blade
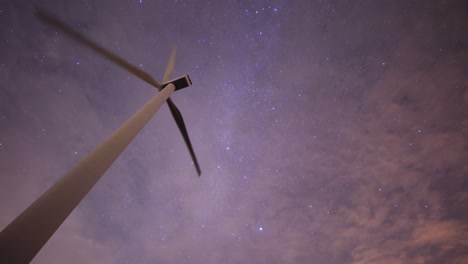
{"points": [[170, 65]]}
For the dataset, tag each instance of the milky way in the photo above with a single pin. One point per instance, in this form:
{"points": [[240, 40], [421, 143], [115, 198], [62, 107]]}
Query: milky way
{"points": [[326, 131]]}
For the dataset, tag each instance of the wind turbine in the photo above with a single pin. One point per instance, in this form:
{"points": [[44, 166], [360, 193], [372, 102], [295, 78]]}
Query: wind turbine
{"points": [[24, 237]]}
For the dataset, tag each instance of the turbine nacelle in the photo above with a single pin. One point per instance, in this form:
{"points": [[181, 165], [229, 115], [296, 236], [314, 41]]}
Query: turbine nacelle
{"points": [[179, 83]]}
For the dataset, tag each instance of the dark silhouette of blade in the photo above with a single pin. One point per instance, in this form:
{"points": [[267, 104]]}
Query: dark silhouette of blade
{"points": [[180, 123], [176, 113], [55, 22]]}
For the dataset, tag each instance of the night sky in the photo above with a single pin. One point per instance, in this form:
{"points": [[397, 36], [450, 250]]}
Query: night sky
{"points": [[326, 131]]}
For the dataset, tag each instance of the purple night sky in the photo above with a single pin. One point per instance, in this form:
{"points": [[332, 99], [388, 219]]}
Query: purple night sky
{"points": [[327, 131]]}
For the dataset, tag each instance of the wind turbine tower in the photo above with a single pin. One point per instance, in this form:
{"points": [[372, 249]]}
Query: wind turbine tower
{"points": [[24, 237]]}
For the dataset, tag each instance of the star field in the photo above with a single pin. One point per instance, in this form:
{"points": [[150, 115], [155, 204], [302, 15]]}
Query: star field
{"points": [[326, 131]]}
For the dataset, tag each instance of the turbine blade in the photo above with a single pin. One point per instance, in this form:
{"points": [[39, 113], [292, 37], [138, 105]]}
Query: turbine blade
{"points": [[176, 113], [180, 123], [170, 65], [55, 22]]}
